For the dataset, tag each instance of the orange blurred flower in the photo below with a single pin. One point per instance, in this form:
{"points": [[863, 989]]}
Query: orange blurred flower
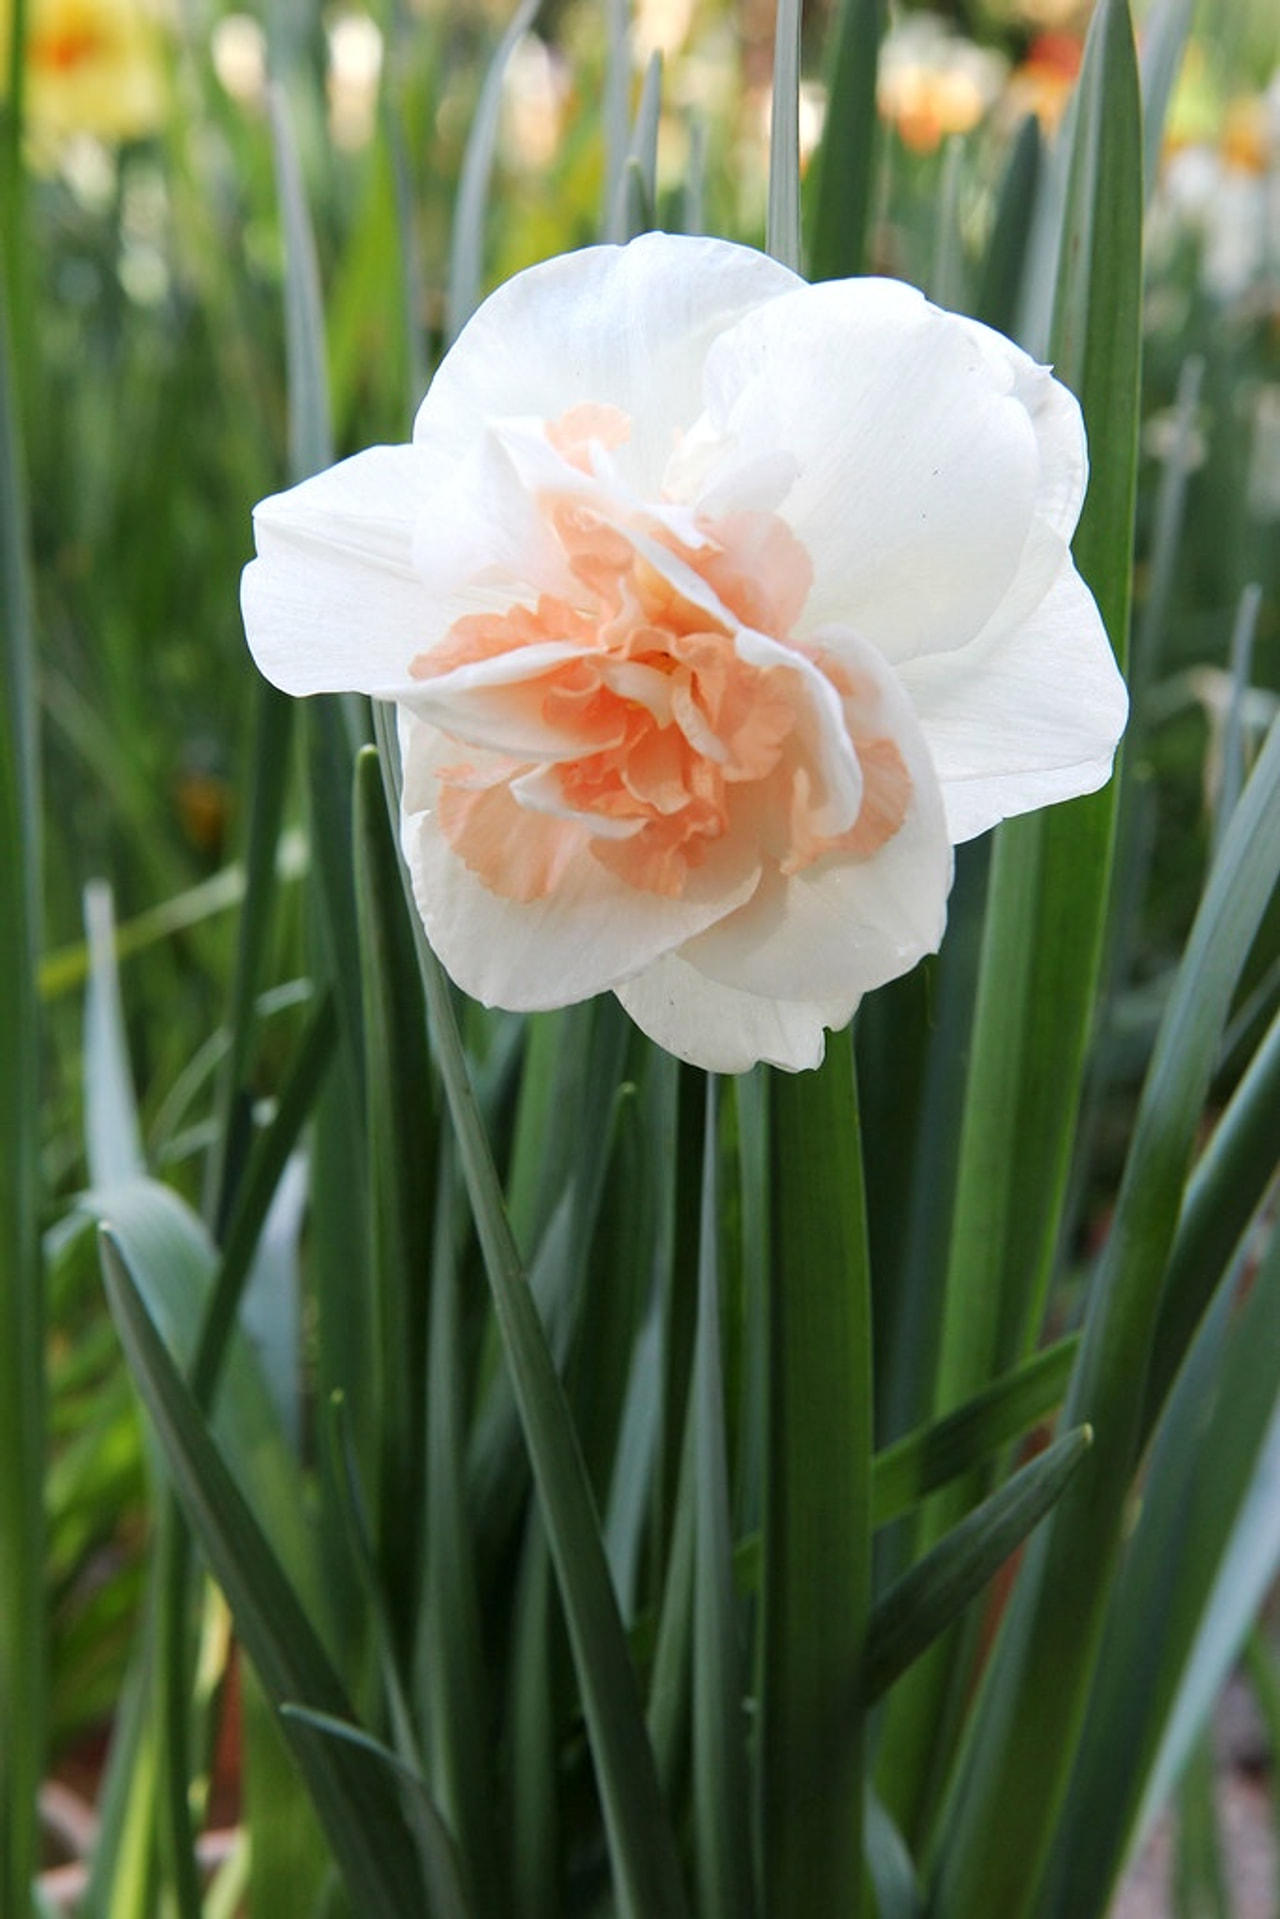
{"points": [[1043, 83]]}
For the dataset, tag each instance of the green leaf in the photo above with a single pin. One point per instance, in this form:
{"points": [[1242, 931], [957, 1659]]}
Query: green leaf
{"points": [[669, 1677], [845, 162], [113, 1136], [783, 224], [893, 1873], [616, 106], [288, 1859], [1208, 1508], [1000, 285], [721, 1819], [1164, 42], [636, 208], [532, 1669], [457, 1703], [398, 1098], [466, 253], [1025, 1734], [922, 1461], [1199, 1874], [920, 1606], [173, 1263], [354, 1798], [435, 1848], [817, 1515], [22, 1361], [1226, 1188], [122, 1869], [264, 1168], [268, 781], [310, 435]]}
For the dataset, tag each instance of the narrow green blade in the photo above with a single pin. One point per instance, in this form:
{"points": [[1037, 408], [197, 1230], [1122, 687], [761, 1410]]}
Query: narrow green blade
{"points": [[845, 164], [401, 1154], [1226, 1189], [929, 1598], [466, 254], [783, 227], [1208, 1508], [1025, 1734], [22, 1457], [722, 1825], [355, 1800], [924, 1460], [817, 1518]]}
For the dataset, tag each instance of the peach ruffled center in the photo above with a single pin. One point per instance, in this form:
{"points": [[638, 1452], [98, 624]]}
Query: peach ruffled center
{"points": [[666, 740]]}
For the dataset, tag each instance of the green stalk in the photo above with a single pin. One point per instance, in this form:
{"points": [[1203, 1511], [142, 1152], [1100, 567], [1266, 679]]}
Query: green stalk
{"points": [[817, 1557]]}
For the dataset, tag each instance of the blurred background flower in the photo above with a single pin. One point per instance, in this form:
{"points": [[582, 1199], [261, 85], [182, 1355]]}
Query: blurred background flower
{"points": [[933, 82], [97, 67]]}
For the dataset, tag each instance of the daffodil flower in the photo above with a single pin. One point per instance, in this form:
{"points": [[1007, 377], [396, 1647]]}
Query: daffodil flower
{"points": [[93, 67], [716, 608]]}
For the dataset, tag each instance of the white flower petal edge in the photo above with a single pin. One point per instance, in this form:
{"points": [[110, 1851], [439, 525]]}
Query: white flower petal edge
{"points": [[723, 1030], [716, 608], [617, 326], [333, 602], [926, 449], [1001, 736]]}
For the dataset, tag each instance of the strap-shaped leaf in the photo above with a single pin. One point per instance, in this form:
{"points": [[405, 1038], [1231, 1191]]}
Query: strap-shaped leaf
{"points": [[922, 1461], [845, 164], [926, 1600], [21, 1285], [1025, 1735], [721, 1819], [817, 1514], [356, 1801], [784, 139], [466, 254]]}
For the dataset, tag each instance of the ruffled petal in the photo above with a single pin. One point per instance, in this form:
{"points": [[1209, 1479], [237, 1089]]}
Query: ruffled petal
{"points": [[589, 931], [926, 449], [610, 326], [333, 602], [1023, 717], [726, 1031], [853, 919]]}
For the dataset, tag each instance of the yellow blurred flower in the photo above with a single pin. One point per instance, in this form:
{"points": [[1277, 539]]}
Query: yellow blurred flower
{"points": [[92, 67]]}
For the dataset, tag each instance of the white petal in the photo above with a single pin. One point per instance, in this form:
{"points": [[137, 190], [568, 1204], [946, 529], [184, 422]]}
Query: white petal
{"points": [[481, 704], [333, 602], [926, 449], [725, 1031], [482, 541], [1024, 718], [620, 326], [591, 934], [849, 922]]}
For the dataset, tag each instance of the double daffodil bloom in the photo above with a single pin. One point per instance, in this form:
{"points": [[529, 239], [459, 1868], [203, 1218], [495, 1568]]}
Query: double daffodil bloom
{"points": [[716, 608]]}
